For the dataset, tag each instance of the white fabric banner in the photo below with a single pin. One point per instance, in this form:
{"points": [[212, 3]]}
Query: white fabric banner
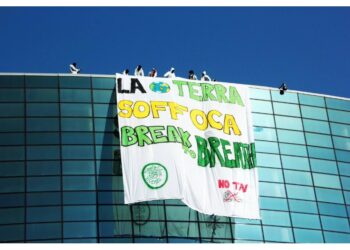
{"points": [[188, 140]]}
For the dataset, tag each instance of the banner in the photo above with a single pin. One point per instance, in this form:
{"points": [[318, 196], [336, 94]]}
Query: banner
{"points": [[188, 140]]}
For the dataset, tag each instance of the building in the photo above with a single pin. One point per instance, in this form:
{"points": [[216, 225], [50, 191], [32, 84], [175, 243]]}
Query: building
{"points": [[60, 175]]}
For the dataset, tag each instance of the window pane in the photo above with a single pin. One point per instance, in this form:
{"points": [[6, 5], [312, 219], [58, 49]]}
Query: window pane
{"points": [[290, 136], [340, 129], [287, 97], [300, 192], [316, 126], [297, 177], [332, 209], [345, 183], [76, 109], [266, 147], [342, 155], [11, 200], [73, 82], [44, 199], [314, 113], [318, 140], [11, 81], [339, 116], [278, 234], [43, 184], [11, 109], [43, 214], [42, 124], [106, 139], [273, 203], [344, 168], [11, 138], [79, 183], [11, 95], [297, 163], [102, 125], [43, 138], [78, 167], [341, 143], [307, 236], [43, 152], [263, 120], [322, 153], [79, 198], [303, 206], [76, 124], [338, 104], [43, 168], [11, 153], [79, 229], [11, 169], [42, 95], [44, 231], [328, 195], [42, 109], [289, 149], [268, 160], [336, 237], [11, 233], [328, 181], [288, 123], [77, 138], [261, 106], [275, 218], [335, 224], [103, 83], [311, 100], [11, 215], [262, 94], [11, 124], [286, 109], [75, 95], [42, 81], [79, 213], [77, 152], [306, 221], [249, 232], [269, 174], [268, 134], [324, 166], [104, 110], [104, 96], [271, 189]]}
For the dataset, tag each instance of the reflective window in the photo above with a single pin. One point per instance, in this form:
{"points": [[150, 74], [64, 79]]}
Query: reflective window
{"points": [[79, 229], [108, 229], [335, 224], [266, 147], [306, 221], [79, 183], [297, 177], [43, 184], [271, 189], [297, 163], [77, 109], [332, 237], [114, 212], [340, 129], [263, 120], [106, 139], [43, 168], [104, 96], [338, 104], [341, 143], [316, 126], [273, 203], [105, 152], [329, 195], [42, 95], [42, 109], [43, 214], [44, 231], [11, 95], [345, 183], [339, 116], [261, 106], [318, 140], [290, 149], [270, 174], [11, 233], [11, 138], [79, 213], [321, 153], [43, 152], [303, 206], [12, 81], [344, 168], [287, 97], [249, 232], [323, 166], [41, 81], [104, 110], [77, 138], [288, 123], [347, 197], [11, 124], [286, 109], [308, 236], [11, 153], [43, 138], [268, 160], [103, 83], [79, 198], [311, 100], [300, 192], [107, 167], [332, 209], [104, 125], [180, 229], [76, 124], [275, 218], [313, 113], [278, 234], [44, 199], [290, 136], [268, 134], [78, 167], [75, 95], [328, 181], [342, 155], [73, 82], [77, 152], [11, 109], [262, 94], [11, 200], [11, 169], [11, 215], [42, 124]]}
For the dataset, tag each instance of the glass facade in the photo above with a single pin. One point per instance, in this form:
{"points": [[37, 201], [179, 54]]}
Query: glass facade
{"points": [[60, 174]]}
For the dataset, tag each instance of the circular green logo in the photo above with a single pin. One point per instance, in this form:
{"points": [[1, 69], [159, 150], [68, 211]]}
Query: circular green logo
{"points": [[154, 175]]}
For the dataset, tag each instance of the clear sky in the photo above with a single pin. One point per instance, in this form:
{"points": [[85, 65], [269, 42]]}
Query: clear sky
{"points": [[309, 48]]}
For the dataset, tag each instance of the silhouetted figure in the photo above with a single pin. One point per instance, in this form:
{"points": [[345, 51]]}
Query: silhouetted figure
{"points": [[170, 73], [139, 71], [191, 75], [153, 73], [74, 68], [205, 77]]}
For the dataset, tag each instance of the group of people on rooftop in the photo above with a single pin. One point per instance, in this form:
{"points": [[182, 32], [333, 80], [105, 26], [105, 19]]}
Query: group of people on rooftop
{"points": [[153, 73]]}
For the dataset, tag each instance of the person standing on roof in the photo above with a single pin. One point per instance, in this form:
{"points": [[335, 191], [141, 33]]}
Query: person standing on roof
{"points": [[126, 72], [191, 75], [170, 73], [139, 71], [153, 73], [74, 68], [205, 77]]}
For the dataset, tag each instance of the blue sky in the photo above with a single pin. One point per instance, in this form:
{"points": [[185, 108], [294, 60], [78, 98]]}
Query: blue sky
{"points": [[309, 48]]}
